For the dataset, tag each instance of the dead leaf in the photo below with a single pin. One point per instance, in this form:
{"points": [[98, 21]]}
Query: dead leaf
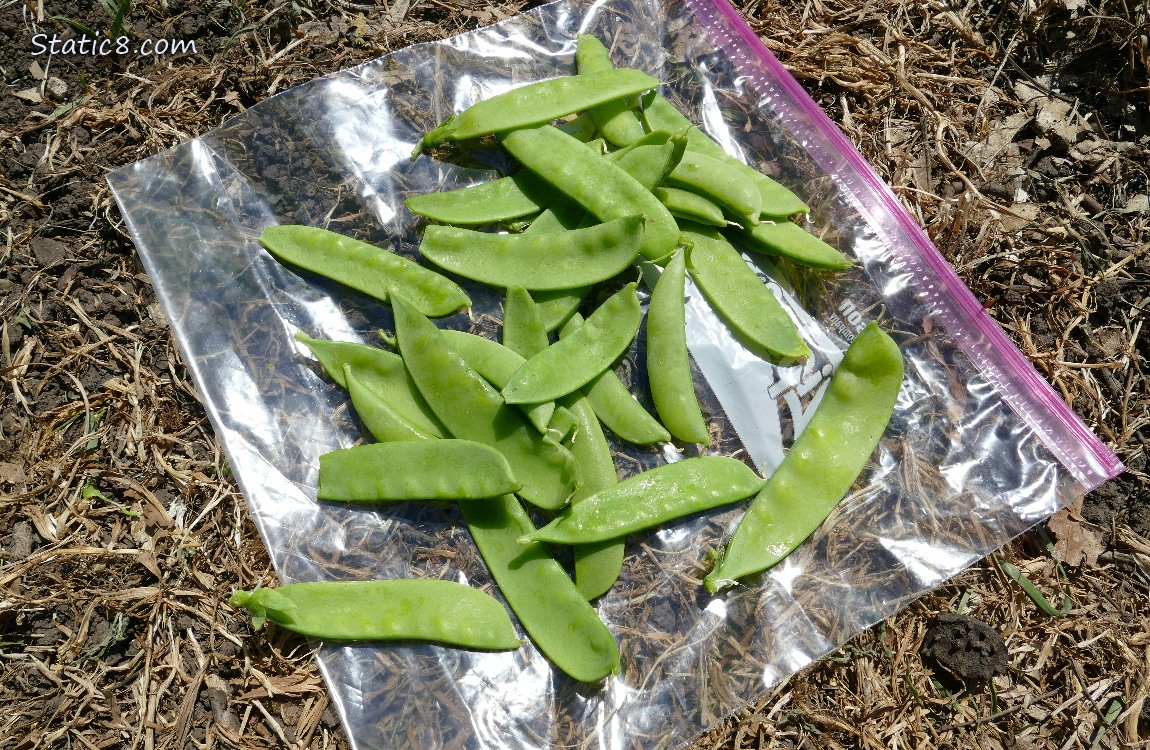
{"points": [[1076, 543], [12, 473], [36, 71], [31, 95]]}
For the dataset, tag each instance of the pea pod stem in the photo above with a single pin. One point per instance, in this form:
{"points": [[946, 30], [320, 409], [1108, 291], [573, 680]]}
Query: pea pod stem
{"points": [[822, 464]]}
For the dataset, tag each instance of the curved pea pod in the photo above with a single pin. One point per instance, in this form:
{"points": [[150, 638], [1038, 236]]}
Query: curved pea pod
{"points": [[496, 363], [668, 362], [615, 120], [652, 158], [536, 261], [597, 565], [660, 114], [599, 185], [537, 103], [473, 410], [825, 460], [415, 470], [558, 305], [615, 407], [739, 296], [718, 181], [502, 199], [683, 204], [379, 417], [576, 359], [523, 331], [366, 268], [793, 242], [550, 608], [381, 371], [652, 498], [406, 609]]}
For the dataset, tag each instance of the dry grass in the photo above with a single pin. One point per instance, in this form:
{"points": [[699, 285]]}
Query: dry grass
{"points": [[121, 531]]}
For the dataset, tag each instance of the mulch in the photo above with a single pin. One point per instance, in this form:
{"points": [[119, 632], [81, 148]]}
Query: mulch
{"points": [[1016, 133]]}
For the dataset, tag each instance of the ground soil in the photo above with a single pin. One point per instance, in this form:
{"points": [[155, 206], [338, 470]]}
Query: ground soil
{"points": [[1018, 134]]}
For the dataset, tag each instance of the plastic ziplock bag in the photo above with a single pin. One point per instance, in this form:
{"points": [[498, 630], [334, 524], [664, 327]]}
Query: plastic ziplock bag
{"points": [[979, 449]]}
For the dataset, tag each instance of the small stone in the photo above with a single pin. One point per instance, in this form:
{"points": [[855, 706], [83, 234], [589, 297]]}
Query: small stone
{"points": [[49, 252]]}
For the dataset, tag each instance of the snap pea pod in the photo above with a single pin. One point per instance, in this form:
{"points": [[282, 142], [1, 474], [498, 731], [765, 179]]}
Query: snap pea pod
{"points": [[668, 362], [415, 470], [652, 498], [550, 608], [597, 184], [537, 261], [823, 463], [472, 410], [383, 372], [719, 181], [660, 114], [406, 609], [652, 158], [379, 417], [556, 306], [367, 268], [739, 296], [683, 204], [597, 565], [616, 408], [537, 103], [496, 363], [575, 360], [615, 120], [791, 241], [523, 331], [502, 199]]}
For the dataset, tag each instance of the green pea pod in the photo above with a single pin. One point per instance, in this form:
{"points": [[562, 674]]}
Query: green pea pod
{"points": [[720, 182], [379, 417], [491, 202], [407, 609], [381, 371], [577, 359], [366, 268], [660, 114], [550, 608], [616, 408], [597, 184], [523, 331], [739, 296], [597, 565], [415, 470], [683, 204], [793, 242], [652, 498], [537, 103], [825, 460], [615, 120], [668, 362], [536, 261], [472, 410], [652, 158], [557, 306], [496, 363], [562, 425]]}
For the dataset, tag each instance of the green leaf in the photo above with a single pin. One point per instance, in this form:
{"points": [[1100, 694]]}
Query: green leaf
{"points": [[1032, 591], [1113, 710]]}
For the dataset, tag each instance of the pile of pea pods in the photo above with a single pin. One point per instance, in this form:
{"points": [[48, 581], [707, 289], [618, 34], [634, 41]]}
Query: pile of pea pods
{"points": [[613, 176]]}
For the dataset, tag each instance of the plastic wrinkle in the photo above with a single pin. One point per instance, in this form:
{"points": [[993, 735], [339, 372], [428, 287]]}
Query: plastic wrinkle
{"points": [[979, 448]]}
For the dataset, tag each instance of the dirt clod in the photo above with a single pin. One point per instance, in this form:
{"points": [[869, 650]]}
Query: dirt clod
{"points": [[965, 647]]}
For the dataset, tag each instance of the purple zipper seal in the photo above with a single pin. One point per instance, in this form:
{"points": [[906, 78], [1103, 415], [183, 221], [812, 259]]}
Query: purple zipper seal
{"points": [[952, 304]]}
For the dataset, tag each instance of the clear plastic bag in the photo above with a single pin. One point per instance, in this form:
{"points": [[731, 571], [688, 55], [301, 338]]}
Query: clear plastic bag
{"points": [[979, 449]]}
